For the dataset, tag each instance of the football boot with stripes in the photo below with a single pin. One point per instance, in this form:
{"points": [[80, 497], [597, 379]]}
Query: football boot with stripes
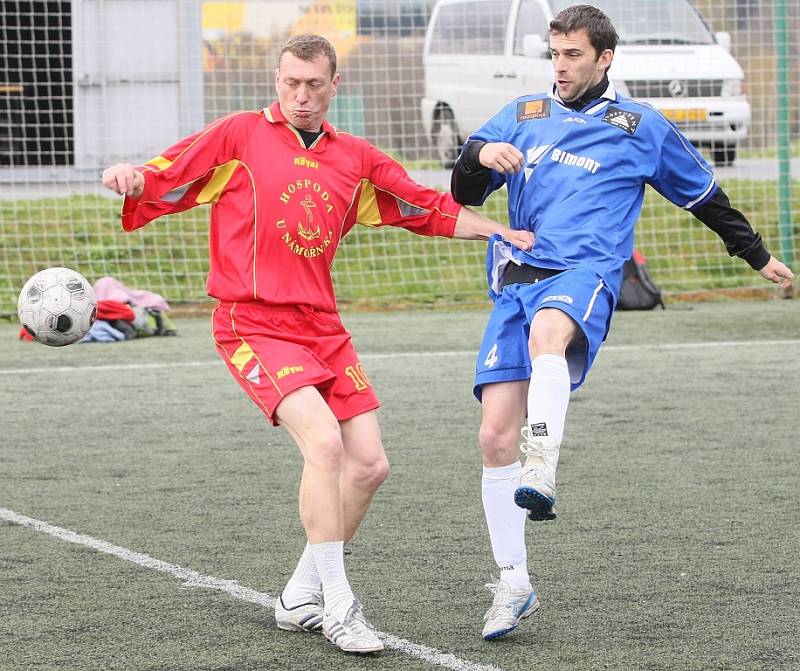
{"points": [[303, 617], [511, 605], [354, 634], [537, 480]]}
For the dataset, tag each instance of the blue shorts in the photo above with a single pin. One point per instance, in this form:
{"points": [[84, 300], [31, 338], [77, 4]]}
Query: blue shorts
{"points": [[580, 293]]}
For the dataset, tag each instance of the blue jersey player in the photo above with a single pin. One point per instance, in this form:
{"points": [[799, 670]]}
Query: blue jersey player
{"points": [[575, 163]]}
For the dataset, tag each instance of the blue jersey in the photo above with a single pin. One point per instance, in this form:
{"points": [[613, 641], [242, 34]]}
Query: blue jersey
{"points": [[582, 187]]}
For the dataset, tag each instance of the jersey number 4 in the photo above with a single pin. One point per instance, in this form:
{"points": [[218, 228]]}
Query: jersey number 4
{"points": [[491, 358]]}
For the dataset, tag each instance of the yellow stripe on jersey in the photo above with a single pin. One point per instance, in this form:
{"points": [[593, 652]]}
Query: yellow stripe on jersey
{"points": [[160, 163], [241, 356], [222, 175], [368, 212]]}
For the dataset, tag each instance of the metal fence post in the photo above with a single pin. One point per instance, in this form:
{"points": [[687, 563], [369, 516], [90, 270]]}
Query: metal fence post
{"points": [[784, 141]]}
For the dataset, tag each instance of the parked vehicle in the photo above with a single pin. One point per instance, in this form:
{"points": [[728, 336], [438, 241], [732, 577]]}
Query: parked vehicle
{"points": [[480, 54]]}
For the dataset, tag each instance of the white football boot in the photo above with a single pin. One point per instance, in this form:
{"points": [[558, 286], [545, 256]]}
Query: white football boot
{"points": [[511, 606], [537, 480], [303, 617], [355, 634]]}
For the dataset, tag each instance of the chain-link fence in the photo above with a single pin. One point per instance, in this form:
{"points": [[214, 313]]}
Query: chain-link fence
{"points": [[87, 83]]}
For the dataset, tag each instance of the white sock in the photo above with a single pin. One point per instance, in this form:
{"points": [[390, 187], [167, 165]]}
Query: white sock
{"points": [[329, 558], [305, 581], [506, 522], [548, 396]]}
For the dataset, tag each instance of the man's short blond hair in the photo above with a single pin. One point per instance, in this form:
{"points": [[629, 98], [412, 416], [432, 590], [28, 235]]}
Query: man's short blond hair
{"points": [[308, 47]]}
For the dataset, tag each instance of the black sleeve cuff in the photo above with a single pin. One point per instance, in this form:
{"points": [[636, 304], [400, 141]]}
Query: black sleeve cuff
{"points": [[757, 256], [734, 229]]}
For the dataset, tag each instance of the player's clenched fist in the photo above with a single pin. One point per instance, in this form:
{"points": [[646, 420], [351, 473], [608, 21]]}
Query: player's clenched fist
{"points": [[502, 157], [124, 179]]}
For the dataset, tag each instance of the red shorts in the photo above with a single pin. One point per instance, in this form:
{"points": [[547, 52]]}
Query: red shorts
{"points": [[274, 351]]}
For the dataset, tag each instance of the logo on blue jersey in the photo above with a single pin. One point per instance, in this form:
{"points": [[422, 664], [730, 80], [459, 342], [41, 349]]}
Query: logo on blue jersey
{"points": [[627, 121], [533, 156], [574, 119], [533, 109], [561, 298], [561, 156]]}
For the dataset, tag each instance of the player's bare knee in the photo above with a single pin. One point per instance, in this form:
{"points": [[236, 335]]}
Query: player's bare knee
{"points": [[498, 442], [369, 474], [377, 473], [325, 451]]}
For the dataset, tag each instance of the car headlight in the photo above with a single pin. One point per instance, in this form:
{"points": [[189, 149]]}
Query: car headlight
{"points": [[731, 87]]}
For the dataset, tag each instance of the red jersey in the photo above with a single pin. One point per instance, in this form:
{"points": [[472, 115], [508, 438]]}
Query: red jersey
{"points": [[279, 209]]}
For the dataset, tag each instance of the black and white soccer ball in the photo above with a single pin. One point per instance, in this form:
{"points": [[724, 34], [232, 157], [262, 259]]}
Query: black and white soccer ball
{"points": [[57, 306]]}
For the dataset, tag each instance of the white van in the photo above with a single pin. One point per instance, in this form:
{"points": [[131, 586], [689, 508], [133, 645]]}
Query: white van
{"points": [[480, 54]]}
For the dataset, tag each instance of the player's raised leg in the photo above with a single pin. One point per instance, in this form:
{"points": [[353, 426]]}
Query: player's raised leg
{"points": [[548, 397], [503, 406]]}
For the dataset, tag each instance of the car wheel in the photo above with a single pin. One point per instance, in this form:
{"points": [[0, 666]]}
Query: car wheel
{"points": [[724, 154], [445, 138]]}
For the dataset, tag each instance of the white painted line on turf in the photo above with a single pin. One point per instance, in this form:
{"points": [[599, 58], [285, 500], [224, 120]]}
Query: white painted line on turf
{"points": [[397, 355], [231, 587], [110, 367], [699, 345]]}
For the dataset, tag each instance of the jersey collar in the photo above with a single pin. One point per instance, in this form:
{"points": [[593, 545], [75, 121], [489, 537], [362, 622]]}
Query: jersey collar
{"points": [[610, 95], [274, 115]]}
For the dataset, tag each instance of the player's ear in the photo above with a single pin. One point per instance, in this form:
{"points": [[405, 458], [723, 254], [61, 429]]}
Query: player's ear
{"points": [[604, 61]]}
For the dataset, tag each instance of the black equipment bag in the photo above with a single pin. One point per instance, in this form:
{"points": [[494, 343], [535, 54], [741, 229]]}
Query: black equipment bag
{"points": [[638, 291]]}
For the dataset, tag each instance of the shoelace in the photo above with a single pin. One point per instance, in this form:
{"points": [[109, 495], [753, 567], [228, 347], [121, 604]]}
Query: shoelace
{"points": [[355, 616], [499, 589], [535, 447]]}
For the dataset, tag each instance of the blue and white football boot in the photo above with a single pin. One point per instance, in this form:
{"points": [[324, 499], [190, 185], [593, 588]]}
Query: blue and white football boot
{"points": [[537, 480], [511, 605]]}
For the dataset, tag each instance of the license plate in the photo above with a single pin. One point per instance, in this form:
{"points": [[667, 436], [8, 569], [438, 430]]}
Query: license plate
{"points": [[685, 115]]}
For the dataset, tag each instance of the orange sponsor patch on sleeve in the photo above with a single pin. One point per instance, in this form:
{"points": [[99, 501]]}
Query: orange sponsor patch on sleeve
{"points": [[533, 109]]}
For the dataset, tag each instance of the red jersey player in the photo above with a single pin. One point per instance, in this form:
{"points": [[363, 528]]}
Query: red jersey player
{"points": [[284, 187]]}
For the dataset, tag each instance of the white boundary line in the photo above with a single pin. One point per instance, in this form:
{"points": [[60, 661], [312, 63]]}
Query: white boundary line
{"points": [[398, 355], [231, 587]]}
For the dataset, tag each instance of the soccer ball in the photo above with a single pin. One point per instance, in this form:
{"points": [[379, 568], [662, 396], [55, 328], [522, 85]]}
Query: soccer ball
{"points": [[57, 306]]}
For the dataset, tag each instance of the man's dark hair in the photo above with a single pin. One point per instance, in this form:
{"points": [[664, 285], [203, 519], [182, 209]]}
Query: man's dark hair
{"points": [[308, 47], [601, 31]]}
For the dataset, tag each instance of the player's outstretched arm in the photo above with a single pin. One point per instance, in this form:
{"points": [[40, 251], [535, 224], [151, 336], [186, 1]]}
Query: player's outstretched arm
{"points": [[778, 272], [124, 180], [472, 226]]}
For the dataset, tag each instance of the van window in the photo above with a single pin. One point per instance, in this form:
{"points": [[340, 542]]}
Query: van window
{"points": [[471, 28], [651, 21], [530, 21]]}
